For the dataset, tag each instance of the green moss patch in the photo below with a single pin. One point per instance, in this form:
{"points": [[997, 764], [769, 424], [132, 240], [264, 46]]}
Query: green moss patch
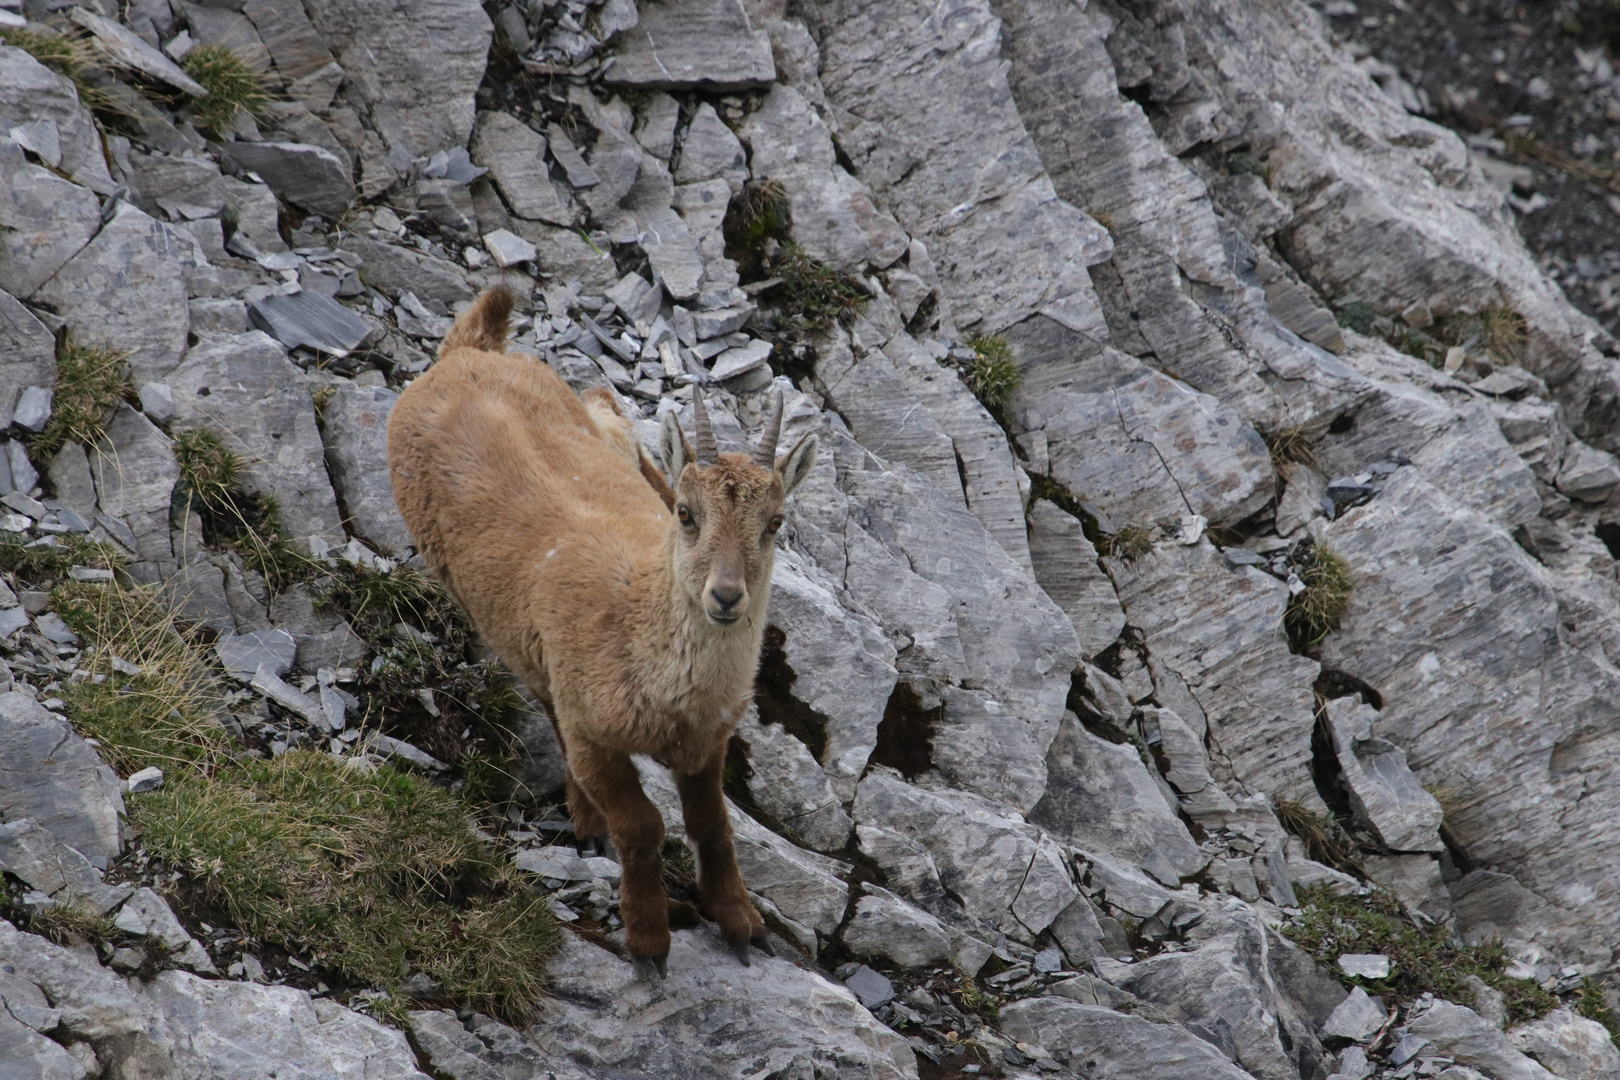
{"points": [[1421, 959]]}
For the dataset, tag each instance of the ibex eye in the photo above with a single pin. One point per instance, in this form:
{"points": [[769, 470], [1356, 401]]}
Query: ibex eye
{"points": [[684, 514], [776, 523]]}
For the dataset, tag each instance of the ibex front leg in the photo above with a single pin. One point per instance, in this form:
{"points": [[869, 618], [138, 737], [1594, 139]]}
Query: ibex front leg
{"points": [[637, 831], [725, 898]]}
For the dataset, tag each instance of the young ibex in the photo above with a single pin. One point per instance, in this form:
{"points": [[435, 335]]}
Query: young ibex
{"points": [[634, 610]]}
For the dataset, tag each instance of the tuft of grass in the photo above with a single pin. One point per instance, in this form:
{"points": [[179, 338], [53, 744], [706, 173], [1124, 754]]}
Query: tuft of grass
{"points": [[1421, 959], [71, 924], [1290, 444], [90, 384], [232, 86], [373, 874], [164, 714], [70, 55], [1131, 542], [1245, 163], [43, 566], [813, 296], [1323, 839], [1315, 613], [1504, 330], [759, 217], [1592, 1004], [1358, 316], [211, 484], [993, 374]]}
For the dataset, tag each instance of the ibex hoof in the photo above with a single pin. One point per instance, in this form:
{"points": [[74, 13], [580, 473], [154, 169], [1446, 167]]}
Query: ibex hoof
{"points": [[760, 941], [646, 965]]}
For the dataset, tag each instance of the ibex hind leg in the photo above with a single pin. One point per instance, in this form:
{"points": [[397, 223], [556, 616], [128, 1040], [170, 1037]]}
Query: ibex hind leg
{"points": [[590, 824], [725, 897], [637, 830]]}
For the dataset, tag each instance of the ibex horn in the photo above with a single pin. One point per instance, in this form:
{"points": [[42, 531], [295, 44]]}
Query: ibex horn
{"points": [[765, 453], [707, 452]]}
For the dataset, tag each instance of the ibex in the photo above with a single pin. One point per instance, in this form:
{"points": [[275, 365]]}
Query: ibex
{"points": [[635, 616]]}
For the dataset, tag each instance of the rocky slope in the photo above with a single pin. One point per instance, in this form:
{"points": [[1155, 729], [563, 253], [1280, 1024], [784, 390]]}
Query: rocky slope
{"points": [[1036, 704]]}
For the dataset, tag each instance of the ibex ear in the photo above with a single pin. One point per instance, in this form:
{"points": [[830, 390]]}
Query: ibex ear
{"points": [[796, 464], [673, 447]]}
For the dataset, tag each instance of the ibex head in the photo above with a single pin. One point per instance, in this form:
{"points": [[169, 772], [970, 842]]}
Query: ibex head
{"points": [[728, 508]]}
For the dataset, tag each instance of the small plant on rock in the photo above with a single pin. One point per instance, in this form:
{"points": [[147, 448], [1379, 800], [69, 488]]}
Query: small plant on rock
{"points": [[1290, 444], [993, 375], [814, 296], [1131, 542], [232, 86], [1358, 316], [1315, 612], [90, 384], [70, 55], [211, 485]]}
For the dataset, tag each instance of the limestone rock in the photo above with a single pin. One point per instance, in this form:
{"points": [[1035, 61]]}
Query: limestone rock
{"points": [[1382, 788], [31, 91], [27, 352], [50, 775], [95, 1002], [1462, 1034], [419, 95], [886, 926], [705, 44], [1569, 1045], [356, 433], [1066, 567], [1007, 872], [246, 390], [1115, 1046], [134, 470], [396, 270], [44, 221], [709, 1014], [515, 155], [126, 291], [311, 177]]}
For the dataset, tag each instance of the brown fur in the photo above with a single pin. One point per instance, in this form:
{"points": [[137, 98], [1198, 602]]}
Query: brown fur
{"points": [[536, 510]]}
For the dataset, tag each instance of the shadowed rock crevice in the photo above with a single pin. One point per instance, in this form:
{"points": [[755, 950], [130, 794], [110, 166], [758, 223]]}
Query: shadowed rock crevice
{"points": [[906, 733], [773, 696]]}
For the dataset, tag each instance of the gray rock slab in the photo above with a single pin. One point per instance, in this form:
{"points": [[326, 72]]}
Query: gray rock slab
{"points": [[232, 1029], [1569, 1045], [290, 38], [451, 1049], [1382, 789], [1357, 1018], [126, 291], [246, 390], [419, 96], [886, 926], [1415, 879], [1143, 446], [1066, 568], [1100, 796], [395, 270], [134, 471], [310, 177], [710, 151], [834, 218], [356, 433], [95, 1002], [257, 214], [243, 654], [51, 776], [309, 319], [126, 48], [1218, 630], [1007, 872], [1116, 1046], [709, 1014], [672, 252], [1462, 1034], [46, 220], [1459, 630], [197, 593], [706, 44], [31, 1056], [34, 855], [27, 352], [787, 782], [515, 155], [842, 663], [30, 91], [923, 103]]}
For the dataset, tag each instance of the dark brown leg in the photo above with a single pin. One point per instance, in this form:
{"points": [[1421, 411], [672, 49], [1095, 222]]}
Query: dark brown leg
{"points": [[637, 831], [725, 898], [589, 821]]}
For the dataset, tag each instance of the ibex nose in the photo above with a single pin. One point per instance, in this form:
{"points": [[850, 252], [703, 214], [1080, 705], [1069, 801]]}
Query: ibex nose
{"points": [[726, 597]]}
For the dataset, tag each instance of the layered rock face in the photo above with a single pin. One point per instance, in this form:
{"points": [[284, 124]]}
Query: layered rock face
{"points": [[1032, 705]]}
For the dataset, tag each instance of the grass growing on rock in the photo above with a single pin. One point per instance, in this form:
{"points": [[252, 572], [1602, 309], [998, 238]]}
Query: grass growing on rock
{"points": [[90, 384], [1131, 542], [70, 55], [232, 86], [1421, 959], [993, 375], [211, 485], [376, 874], [42, 566], [814, 296], [1290, 445], [1315, 612]]}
